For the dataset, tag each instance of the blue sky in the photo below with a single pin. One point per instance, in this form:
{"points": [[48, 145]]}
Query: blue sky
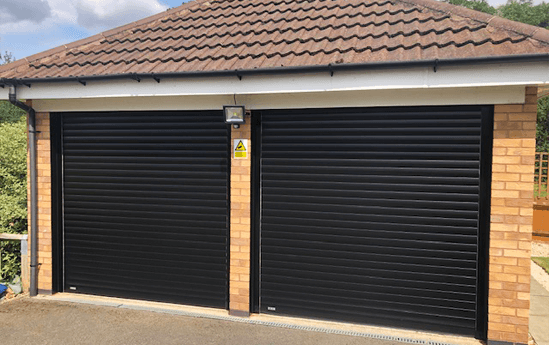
{"points": [[31, 26]]}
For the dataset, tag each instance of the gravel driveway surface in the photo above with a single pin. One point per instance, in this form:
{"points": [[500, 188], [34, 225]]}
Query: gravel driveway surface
{"points": [[36, 321]]}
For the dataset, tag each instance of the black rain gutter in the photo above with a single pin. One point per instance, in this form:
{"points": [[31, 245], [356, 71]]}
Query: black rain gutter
{"points": [[330, 68], [33, 289]]}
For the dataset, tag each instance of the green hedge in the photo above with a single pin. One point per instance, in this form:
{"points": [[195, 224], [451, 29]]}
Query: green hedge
{"points": [[13, 186]]}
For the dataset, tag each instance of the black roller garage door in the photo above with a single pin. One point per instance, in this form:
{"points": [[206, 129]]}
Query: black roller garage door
{"points": [[145, 205], [375, 215]]}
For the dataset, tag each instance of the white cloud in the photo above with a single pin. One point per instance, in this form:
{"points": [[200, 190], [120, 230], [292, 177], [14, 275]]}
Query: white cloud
{"points": [[104, 14], [64, 11], [37, 16], [13, 11]]}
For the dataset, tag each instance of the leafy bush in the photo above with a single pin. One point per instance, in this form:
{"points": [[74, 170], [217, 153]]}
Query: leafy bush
{"points": [[542, 126], [11, 260], [11, 114], [13, 185]]}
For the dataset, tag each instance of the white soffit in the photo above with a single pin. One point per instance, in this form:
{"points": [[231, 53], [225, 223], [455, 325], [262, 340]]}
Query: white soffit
{"points": [[385, 79]]}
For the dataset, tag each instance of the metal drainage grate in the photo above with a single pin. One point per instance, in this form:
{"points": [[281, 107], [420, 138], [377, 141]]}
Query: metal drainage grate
{"points": [[264, 323], [286, 325]]}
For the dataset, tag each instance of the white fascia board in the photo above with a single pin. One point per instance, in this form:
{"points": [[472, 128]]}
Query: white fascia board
{"points": [[535, 73], [331, 99]]}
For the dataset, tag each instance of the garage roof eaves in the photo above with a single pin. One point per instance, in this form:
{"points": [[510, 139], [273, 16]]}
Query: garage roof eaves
{"points": [[330, 68]]}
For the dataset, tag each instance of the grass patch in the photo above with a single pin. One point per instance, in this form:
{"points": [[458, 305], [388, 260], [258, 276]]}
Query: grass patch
{"points": [[543, 262], [542, 193]]}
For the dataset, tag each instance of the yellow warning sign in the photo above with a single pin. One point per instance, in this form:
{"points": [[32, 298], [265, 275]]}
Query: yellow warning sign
{"points": [[240, 148]]}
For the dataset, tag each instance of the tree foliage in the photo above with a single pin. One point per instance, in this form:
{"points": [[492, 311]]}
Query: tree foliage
{"points": [[477, 5], [13, 171], [526, 12], [523, 11], [13, 182], [13, 185], [7, 57]]}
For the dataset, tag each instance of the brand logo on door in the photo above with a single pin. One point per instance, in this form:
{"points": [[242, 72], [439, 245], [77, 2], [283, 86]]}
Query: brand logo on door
{"points": [[240, 149]]}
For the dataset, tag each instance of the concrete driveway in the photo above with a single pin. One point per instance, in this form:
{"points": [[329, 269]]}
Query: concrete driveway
{"points": [[39, 321]]}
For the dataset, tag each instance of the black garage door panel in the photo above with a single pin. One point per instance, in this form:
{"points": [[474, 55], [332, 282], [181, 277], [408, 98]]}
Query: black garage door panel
{"points": [[146, 205], [372, 215]]}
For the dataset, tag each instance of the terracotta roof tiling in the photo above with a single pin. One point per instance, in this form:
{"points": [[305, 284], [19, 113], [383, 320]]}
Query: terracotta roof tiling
{"points": [[248, 34]]}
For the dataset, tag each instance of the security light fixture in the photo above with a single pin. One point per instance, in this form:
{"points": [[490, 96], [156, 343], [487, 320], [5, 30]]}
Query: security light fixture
{"points": [[234, 114]]}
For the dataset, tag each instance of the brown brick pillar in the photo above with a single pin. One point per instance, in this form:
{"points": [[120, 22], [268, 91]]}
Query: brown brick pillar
{"points": [[44, 204], [239, 270], [511, 220]]}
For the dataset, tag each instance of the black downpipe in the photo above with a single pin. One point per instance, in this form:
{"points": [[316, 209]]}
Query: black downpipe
{"points": [[33, 290]]}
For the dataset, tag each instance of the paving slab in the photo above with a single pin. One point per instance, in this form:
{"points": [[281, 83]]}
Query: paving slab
{"points": [[539, 313]]}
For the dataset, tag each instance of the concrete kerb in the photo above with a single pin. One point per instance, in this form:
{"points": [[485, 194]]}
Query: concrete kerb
{"points": [[383, 333]]}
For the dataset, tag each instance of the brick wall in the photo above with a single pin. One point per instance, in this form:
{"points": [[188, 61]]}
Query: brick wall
{"points": [[239, 270], [511, 219], [44, 203], [240, 217]]}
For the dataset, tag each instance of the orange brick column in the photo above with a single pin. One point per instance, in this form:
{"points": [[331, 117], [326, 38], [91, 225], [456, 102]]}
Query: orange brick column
{"points": [[239, 270], [44, 204], [511, 220]]}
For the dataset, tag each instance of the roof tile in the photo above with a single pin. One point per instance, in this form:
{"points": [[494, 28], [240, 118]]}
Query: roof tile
{"points": [[248, 34]]}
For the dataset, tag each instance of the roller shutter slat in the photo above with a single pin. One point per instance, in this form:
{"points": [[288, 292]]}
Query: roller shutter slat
{"points": [[146, 205], [371, 215]]}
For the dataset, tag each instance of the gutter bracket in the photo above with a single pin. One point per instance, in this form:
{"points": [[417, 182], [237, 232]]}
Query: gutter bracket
{"points": [[81, 81], [363, 66], [15, 82]]}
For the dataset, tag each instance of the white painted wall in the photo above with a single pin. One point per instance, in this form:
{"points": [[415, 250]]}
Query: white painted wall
{"points": [[364, 98]]}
